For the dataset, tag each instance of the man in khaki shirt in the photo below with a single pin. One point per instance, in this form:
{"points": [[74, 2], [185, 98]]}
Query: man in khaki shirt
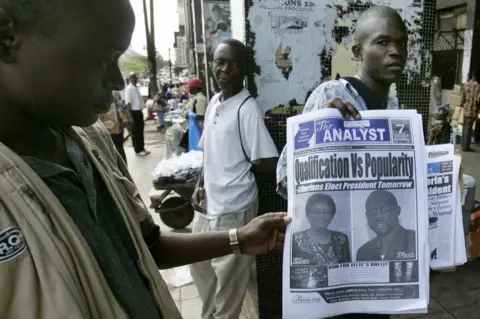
{"points": [[199, 100], [76, 240]]}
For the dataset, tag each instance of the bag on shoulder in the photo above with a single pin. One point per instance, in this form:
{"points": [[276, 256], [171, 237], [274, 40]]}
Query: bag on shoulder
{"points": [[371, 100]]}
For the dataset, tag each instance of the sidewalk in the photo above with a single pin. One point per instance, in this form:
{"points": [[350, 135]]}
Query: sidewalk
{"points": [[186, 297], [453, 295]]}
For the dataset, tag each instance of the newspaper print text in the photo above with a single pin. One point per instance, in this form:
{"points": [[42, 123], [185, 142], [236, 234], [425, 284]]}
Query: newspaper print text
{"points": [[357, 165]]}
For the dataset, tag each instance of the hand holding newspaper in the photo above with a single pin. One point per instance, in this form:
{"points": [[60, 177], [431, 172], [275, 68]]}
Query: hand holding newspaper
{"points": [[358, 197]]}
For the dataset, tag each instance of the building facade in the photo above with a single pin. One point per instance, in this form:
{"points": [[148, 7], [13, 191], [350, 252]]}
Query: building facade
{"points": [[181, 56], [453, 46], [181, 47]]}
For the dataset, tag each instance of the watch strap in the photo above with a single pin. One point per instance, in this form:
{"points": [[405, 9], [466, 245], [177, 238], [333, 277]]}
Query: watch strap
{"points": [[234, 245]]}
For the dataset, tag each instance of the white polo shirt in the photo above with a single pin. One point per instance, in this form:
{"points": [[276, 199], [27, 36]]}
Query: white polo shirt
{"points": [[229, 185], [133, 96]]}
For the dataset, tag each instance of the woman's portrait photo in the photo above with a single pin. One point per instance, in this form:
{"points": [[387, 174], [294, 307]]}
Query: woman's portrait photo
{"points": [[319, 244]]}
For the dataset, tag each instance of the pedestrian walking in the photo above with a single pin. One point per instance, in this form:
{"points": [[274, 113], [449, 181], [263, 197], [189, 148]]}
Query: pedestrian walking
{"points": [[116, 120], [135, 103], [160, 106]]}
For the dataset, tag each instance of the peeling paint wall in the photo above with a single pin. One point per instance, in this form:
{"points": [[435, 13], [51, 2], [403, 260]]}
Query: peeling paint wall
{"points": [[291, 35]]}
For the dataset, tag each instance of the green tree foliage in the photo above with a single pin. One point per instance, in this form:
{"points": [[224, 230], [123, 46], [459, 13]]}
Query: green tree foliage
{"points": [[139, 63], [133, 63]]}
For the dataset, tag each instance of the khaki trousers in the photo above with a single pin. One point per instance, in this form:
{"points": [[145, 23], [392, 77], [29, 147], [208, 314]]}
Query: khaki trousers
{"points": [[222, 282]]}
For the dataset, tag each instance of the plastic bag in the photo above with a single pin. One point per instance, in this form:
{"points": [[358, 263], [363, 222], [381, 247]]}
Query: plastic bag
{"points": [[179, 169]]}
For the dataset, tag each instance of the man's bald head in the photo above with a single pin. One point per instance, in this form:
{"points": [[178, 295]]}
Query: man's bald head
{"points": [[381, 45], [368, 20]]}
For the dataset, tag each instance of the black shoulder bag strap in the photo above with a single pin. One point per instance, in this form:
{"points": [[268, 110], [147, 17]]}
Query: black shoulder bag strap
{"points": [[371, 100], [240, 130]]}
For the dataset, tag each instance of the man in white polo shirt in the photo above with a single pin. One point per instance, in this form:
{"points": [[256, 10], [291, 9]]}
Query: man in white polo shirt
{"points": [[134, 101], [234, 141]]}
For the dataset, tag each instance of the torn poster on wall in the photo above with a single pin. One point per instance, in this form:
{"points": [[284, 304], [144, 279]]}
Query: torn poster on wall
{"points": [[293, 37], [218, 27]]}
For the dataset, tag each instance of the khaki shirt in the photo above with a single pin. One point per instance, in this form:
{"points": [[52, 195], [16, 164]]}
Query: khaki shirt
{"points": [[47, 269], [200, 101]]}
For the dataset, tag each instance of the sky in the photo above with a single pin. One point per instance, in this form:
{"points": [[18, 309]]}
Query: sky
{"points": [[166, 23]]}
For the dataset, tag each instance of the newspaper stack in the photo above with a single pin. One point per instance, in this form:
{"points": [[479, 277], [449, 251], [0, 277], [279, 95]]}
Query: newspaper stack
{"points": [[446, 234], [357, 194]]}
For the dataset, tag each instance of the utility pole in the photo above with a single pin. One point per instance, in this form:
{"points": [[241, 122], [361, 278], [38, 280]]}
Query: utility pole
{"points": [[151, 50], [170, 65]]}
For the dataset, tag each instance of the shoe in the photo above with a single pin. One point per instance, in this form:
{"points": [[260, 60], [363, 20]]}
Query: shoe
{"points": [[143, 153]]}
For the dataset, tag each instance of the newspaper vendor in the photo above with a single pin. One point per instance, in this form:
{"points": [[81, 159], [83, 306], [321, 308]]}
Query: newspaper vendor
{"points": [[381, 47]]}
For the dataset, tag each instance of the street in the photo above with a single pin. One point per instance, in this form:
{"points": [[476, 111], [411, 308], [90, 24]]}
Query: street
{"points": [[186, 297]]}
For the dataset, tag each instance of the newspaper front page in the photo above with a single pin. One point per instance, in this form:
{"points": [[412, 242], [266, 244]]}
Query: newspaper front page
{"points": [[442, 196], [357, 195], [460, 247], [446, 233]]}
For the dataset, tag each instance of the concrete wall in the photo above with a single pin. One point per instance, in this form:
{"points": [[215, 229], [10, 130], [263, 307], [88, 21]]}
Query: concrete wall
{"points": [[238, 19]]}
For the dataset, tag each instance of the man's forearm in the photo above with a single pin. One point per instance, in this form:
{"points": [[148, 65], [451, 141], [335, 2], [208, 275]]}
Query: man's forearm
{"points": [[173, 250]]}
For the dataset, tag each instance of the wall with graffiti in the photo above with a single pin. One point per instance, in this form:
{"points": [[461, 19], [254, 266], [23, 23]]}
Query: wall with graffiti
{"points": [[300, 43], [217, 27]]}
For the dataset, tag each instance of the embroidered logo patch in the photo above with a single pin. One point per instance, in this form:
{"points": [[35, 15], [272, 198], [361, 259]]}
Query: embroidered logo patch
{"points": [[12, 244]]}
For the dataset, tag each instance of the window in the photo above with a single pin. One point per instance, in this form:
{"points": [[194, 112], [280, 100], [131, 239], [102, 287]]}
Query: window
{"points": [[451, 19], [446, 21]]}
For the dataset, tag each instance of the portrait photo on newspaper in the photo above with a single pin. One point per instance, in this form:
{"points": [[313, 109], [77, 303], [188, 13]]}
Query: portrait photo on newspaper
{"points": [[386, 231], [321, 237], [389, 224]]}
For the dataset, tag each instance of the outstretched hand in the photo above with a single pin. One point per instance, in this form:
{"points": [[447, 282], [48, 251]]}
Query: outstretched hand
{"points": [[263, 234], [347, 109]]}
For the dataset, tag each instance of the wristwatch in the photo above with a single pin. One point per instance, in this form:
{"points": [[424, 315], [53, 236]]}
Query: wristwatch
{"points": [[233, 233]]}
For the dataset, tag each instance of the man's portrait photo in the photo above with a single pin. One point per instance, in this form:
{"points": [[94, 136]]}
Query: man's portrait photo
{"points": [[392, 241]]}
